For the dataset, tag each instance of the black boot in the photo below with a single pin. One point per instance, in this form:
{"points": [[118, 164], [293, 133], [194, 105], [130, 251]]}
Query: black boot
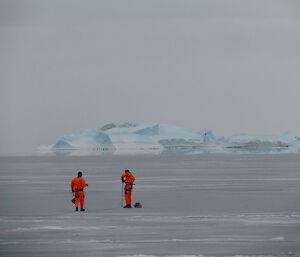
{"points": [[82, 209], [127, 206], [76, 208]]}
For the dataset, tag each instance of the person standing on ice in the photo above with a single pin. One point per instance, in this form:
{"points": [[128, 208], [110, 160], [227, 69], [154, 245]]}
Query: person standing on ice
{"points": [[77, 186], [128, 179]]}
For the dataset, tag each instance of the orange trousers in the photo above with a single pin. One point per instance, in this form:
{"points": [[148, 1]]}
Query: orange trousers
{"points": [[127, 194], [79, 197]]}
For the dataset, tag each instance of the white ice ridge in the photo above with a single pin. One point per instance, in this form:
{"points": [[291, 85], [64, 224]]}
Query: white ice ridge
{"points": [[155, 137]]}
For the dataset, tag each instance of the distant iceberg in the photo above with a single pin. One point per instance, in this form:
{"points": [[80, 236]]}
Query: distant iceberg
{"points": [[62, 144], [87, 138], [241, 139], [209, 137], [263, 144], [151, 137], [83, 142]]}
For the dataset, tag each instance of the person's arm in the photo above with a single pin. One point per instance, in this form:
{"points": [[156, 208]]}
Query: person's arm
{"points": [[84, 184], [123, 177]]}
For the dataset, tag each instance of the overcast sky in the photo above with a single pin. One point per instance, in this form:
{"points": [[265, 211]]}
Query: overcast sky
{"points": [[229, 66]]}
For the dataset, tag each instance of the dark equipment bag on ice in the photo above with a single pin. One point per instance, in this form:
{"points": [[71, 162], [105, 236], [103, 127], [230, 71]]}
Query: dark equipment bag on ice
{"points": [[137, 205]]}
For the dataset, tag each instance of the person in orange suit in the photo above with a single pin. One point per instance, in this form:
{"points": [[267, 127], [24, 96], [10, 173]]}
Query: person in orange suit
{"points": [[128, 179], [77, 186]]}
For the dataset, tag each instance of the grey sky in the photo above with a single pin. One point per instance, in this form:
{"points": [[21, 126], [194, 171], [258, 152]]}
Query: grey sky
{"points": [[229, 66]]}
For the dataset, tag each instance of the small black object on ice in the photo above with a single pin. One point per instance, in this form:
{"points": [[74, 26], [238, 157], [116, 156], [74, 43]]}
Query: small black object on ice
{"points": [[137, 205]]}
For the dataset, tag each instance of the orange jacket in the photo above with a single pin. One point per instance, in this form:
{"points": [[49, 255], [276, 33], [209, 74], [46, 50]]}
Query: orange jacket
{"points": [[129, 178], [78, 183]]}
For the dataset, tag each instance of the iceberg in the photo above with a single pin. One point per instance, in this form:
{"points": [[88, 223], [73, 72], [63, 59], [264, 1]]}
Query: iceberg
{"points": [[62, 144], [118, 125], [87, 138], [150, 136], [241, 139], [156, 138], [83, 142], [244, 142], [208, 136], [126, 138]]}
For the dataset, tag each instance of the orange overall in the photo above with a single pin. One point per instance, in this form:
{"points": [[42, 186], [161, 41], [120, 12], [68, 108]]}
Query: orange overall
{"points": [[77, 186], [129, 179]]}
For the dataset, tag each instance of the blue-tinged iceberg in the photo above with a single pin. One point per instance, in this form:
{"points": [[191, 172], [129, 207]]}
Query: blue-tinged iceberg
{"points": [[83, 142], [240, 139], [244, 142], [209, 137], [62, 144], [151, 137], [86, 138], [126, 137]]}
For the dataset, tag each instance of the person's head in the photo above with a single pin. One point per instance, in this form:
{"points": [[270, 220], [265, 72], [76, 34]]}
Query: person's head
{"points": [[127, 171], [79, 174]]}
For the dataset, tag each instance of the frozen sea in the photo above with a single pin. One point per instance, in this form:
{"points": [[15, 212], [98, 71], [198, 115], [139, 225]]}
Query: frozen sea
{"points": [[193, 205]]}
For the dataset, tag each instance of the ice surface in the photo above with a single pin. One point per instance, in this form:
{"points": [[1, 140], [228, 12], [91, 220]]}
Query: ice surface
{"points": [[193, 205], [143, 255], [155, 138]]}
